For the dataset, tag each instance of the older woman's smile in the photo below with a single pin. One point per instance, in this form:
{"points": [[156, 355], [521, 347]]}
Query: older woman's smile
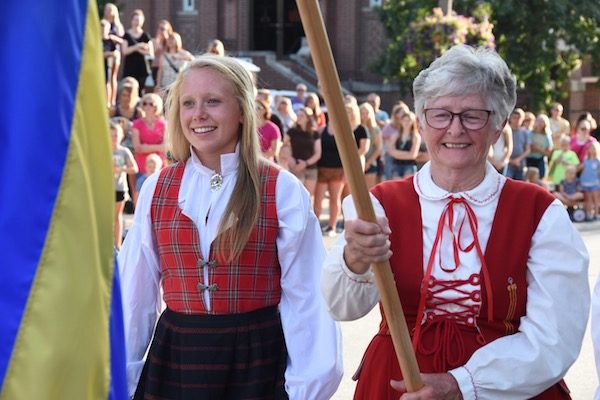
{"points": [[456, 145]]}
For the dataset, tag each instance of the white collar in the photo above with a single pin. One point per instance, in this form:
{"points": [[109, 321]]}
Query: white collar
{"points": [[229, 163], [484, 193], [196, 175]]}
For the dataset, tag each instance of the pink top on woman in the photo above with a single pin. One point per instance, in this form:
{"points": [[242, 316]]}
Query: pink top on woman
{"points": [[267, 133], [155, 135]]}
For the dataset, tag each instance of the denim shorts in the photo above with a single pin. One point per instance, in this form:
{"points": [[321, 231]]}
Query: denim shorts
{"points": [[403, 170], [589, 189]]}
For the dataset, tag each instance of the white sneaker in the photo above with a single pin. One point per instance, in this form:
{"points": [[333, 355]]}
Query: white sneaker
{"points": [[329, 232]]}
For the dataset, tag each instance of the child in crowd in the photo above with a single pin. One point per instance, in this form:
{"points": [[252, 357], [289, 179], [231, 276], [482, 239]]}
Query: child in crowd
{"points": [[590, 181], [153, 163], [123, 164], [569, 191], [532, 175], [561, 159]]}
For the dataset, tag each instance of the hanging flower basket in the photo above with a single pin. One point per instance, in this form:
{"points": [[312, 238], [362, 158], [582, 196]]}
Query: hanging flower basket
{"points": [[428, 38]]}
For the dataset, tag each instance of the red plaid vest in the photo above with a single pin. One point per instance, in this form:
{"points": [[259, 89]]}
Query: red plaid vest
{"points": [[248, 283]]}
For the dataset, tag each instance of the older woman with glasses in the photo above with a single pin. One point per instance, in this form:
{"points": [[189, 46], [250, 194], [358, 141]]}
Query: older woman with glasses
{"points": [[582, 140], [148, 135], [488, 269]]}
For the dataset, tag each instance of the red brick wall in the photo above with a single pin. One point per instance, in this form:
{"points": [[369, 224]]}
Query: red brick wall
{"points": [[372, 44]]}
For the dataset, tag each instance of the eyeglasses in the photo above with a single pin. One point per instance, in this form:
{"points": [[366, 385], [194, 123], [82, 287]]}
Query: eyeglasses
{"points": [[438, 118], [145, 103]]}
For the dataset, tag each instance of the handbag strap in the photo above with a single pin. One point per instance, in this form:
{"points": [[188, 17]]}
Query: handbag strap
{"points": [[171, 63]]}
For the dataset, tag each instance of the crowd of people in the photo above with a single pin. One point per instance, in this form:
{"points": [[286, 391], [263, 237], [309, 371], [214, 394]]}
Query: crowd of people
{"points": [[228, 181], [294, 131], [551, 152]]}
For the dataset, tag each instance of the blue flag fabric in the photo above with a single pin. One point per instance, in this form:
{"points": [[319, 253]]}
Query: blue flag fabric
{"points": [[57, 295]]}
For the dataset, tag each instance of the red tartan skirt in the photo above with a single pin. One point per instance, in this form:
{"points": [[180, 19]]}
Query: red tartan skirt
{"points": [[233, 356]]}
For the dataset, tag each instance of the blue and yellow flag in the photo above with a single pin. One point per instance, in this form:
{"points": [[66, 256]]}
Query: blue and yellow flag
{"points": [[56, 207]]}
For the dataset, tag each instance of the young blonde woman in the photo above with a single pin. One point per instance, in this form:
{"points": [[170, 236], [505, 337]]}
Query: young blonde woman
{"points": [[360, 135], [404, 146], [116, 32], [541, 144], [230, 241], [392, 129], [216, 47], [286, 113], [312, 101], [373, 155], [159, 43], [172, 60]]}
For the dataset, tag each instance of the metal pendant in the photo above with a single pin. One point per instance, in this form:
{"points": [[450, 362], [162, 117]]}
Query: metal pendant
{"points": [[216, 181]]}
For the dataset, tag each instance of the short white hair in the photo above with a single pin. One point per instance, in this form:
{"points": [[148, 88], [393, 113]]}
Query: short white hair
{"points": [[464, 70]]}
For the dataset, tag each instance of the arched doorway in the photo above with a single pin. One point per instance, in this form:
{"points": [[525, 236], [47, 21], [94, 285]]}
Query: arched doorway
{"points": [[277, 26]]}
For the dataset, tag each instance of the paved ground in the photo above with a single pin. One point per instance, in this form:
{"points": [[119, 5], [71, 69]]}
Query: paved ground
{"points": [[581, 378]]}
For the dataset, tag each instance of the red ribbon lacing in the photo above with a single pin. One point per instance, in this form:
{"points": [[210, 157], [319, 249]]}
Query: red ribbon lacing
{"points": [[432, 288]]}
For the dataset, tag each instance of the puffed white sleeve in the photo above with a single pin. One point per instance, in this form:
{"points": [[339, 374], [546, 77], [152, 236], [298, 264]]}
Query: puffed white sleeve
{"points": [[348, 295], [140, 280], [550, 335], [313, 339], [596, 331]]}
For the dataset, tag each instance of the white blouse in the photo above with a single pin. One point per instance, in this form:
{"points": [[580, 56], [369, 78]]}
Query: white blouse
{"points": [[312, 338], [550, 334]]}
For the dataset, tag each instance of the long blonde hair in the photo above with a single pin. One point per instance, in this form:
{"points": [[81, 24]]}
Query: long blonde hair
{"points": [[370, 121], [243, 207], [111, 14]]}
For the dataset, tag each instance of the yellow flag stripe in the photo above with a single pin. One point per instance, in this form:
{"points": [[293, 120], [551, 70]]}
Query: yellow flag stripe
{"points": [[62, 349]]}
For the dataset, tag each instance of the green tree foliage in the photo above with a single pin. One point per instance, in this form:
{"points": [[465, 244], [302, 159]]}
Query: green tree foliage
{"points": [[542, 41]]}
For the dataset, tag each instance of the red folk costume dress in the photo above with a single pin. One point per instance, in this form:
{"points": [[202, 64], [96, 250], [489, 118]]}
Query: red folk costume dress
{"points": [[484, 306], [224, 317]]}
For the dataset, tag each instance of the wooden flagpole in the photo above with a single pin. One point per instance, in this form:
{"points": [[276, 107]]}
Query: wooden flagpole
{"points": [[322, 57]]}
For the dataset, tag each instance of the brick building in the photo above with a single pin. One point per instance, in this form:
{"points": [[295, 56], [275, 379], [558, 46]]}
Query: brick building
{"points": [[269, 32], [584, 93]]}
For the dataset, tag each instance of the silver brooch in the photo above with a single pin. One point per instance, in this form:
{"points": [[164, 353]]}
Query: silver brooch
{"points": [[216, 181]]}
